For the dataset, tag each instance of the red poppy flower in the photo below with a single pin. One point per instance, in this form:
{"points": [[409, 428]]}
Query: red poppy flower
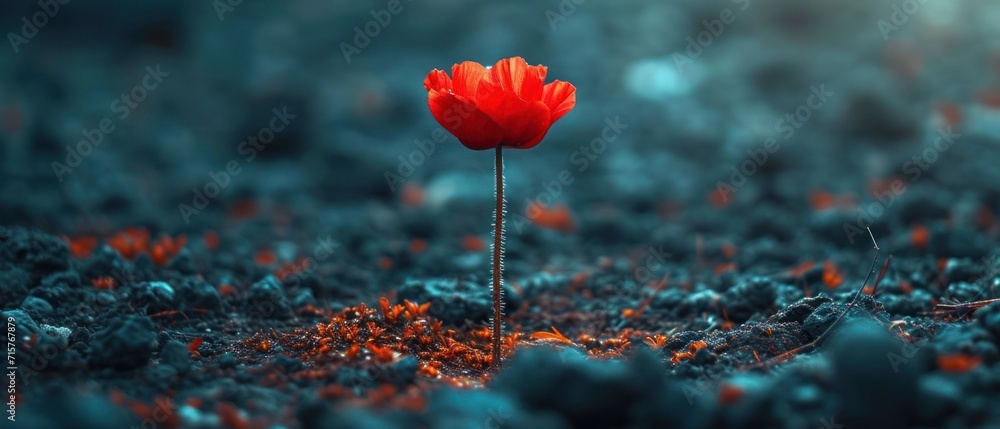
{"points": [[505, 105]]}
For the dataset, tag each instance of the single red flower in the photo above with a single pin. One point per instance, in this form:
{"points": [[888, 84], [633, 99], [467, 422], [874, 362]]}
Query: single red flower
{"points": [[505, 105]]}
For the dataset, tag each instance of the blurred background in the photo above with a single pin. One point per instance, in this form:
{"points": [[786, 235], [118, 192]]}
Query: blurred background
{"points": [[118, 113]]}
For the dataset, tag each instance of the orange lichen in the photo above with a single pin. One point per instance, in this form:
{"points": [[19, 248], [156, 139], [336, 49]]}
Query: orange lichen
{"points": [[958, 363], [382, 354], [104, 283]]}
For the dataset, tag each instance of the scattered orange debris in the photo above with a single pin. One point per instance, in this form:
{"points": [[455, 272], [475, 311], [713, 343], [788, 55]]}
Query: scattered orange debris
{"points": [[130, 243], [243, 209], [472, 243], [950, 113], [382, 354], [920, 236], [289, 269], [194, 344], [657, 341], [689, 354], [104, 283], [412, 195], [822, 200], [385, 263], [558, 218], [989, 97], [211, 240], [718, 198], [418, 245], [906, 287], [227, 290], [729, 250], [729, 393], [831, 275], [904, 59], [985, 218], [958, 363], [230, 416], [555, 335], [166, 248], [264, 258], [801, 269], [415, 310], [723, 267], [81, 247]]}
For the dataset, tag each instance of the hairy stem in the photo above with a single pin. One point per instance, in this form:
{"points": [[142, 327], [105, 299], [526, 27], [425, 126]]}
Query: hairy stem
{"points": [[498, 260]]}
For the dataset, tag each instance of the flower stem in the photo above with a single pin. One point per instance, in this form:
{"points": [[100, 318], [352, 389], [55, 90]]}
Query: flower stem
{"points": [[498, 260]]}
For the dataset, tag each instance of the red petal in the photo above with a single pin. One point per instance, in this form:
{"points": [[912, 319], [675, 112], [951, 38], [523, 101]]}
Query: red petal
{"points": [[516, 76], [466, 78], [459, 115], [523, 122], [437, 80], [560, 97]]}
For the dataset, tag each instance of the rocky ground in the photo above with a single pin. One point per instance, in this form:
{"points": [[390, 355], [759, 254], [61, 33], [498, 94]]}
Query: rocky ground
{"points": [[686, 248]]}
